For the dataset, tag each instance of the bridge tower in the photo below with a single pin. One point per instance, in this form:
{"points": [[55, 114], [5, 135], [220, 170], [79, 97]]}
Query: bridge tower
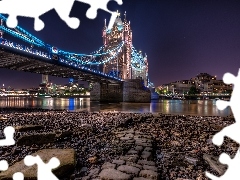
{"points": [[121, 32], [141, 70]]}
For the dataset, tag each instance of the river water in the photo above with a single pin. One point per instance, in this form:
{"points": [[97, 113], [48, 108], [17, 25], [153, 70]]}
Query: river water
{"points": [[184, 107]]}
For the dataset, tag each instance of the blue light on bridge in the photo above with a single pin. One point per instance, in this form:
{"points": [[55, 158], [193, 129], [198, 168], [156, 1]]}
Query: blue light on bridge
{"points": [[76, 60]]}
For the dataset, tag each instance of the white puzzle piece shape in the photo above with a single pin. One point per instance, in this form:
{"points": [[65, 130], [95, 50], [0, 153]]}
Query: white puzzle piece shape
{"points": [[36, 8]]}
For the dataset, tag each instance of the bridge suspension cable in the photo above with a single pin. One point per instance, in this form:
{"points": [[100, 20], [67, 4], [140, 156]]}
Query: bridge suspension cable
{"points": [[97, 57]]}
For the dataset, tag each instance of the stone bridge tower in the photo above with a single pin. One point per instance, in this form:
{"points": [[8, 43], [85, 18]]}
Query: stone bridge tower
{"points": [[121, 32]]}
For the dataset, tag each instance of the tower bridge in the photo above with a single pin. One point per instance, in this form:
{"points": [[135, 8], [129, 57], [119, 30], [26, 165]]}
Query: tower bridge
{"points": [[117, 70]]}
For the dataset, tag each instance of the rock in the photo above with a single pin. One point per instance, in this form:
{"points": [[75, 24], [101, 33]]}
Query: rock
{"points": [[215, 164], [149, 174], [65, 156], [149, 149], [126, 138], [144, 162], [3, 118], [191, 160], [108, 165], [132, 158], [64, 134], [86, 127], [129, 169], [146, 155], [28, 128], [140, 178], [41, 138], [83, 171], [83, 178], [93, 160], [120, 135], [113, 174], [153, 168], [129, 135], [134, 164], [118, 162], [131, 151], [93, 172], [143, 144], [138, 148]]}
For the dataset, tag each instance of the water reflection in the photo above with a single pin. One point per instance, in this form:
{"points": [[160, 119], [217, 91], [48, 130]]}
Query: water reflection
{"points": [[187, 107]]}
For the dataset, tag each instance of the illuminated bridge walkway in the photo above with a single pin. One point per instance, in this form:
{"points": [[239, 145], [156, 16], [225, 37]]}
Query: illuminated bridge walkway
{"points": [[34, 55]]}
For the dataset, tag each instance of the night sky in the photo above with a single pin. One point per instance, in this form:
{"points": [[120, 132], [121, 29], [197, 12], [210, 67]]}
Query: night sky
{"points": [[181, 38]]}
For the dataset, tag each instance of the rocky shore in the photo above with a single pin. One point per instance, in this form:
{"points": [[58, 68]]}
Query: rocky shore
{"points": [[115, 145]]}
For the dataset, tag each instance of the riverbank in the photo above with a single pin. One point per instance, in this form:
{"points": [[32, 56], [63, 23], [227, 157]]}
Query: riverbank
{"points": [[127, 145]]}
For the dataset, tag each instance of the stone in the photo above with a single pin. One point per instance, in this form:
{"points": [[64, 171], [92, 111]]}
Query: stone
{"points": [[133, 164], [191, 160], [28, 128], [86, 127], [83, 170], [215, 164], [148, 149], [126, 138], [146, 155], [65, 156], [131, 151], [132, 158], [118, 162], [149, 174], [143, 144], [93, 160], [83, 178], [144, 162], [64, 134], [138, 148], [113, 174], [140, 178], [147, 167], [108, 165], [140, 140], [146, 136], [120, 135], [129, 135], [41, 138], [129, 169], [93, 172], [3, 118], [130, 141]]}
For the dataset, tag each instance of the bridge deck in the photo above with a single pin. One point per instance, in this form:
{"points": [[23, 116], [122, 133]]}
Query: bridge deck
{"points": [[17, 60]]}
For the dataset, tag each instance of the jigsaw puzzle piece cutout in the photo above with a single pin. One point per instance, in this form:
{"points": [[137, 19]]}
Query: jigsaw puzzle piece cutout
{"points": [[221, 105], [229, 78], [18, 176], [231, 131], [9, 134], [36, 8], [232, 172], [63, 9], [100, 4], [44, 169], [3, 165]]}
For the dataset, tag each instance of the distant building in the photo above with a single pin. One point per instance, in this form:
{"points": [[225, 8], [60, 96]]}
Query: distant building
{"points": [[44, 79], [204, 82], [179, 87]]}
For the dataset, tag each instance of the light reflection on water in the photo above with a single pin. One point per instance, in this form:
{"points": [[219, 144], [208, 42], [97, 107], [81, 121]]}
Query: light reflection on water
{"points": [[187, 107]]}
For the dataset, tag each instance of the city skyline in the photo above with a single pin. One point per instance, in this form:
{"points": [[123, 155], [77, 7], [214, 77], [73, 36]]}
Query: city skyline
{"points": [[182, 38]]}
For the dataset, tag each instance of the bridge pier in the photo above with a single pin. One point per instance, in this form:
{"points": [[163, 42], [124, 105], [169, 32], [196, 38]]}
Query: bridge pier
{"points": [[106, 92], [131, 90]]}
